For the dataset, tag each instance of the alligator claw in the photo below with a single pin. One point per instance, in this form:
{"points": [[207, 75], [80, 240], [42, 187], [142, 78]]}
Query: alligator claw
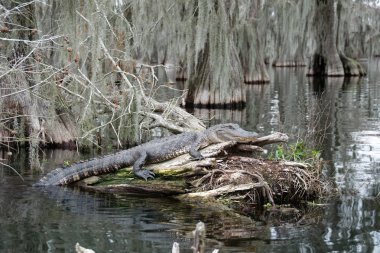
{"points": [[145, 174], [198, 158]]}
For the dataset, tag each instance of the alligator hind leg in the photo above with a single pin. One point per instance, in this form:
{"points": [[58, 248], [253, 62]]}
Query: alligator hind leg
{"points": [[195, 154], [139, 171]]}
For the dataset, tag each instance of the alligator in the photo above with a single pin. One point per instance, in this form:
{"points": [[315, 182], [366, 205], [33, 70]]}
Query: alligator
{"points": [[151, 152]]}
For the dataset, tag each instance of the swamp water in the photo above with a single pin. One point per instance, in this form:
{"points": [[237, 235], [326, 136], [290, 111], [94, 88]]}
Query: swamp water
{"points": [[54, 219]]}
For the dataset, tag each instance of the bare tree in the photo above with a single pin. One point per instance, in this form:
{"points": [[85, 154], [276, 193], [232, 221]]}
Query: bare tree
{"points": [[67, 77]]}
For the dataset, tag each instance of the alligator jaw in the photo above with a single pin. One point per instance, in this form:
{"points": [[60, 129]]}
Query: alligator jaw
{"points": [[230, 132]]}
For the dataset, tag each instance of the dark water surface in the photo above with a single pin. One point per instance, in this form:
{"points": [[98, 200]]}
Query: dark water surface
{"points": [[54, 219]]}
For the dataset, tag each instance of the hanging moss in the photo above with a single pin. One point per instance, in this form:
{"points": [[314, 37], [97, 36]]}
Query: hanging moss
{"points": [[77, 90]]}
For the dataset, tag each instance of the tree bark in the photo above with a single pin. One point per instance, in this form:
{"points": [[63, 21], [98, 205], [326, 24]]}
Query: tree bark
{"points": [[348, 55], [252, 51], [207, 89], [217, 81], [325, 60]]}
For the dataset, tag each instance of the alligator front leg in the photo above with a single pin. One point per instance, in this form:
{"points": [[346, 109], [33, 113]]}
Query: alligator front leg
{"points": [[139, 171], [194, 152]]}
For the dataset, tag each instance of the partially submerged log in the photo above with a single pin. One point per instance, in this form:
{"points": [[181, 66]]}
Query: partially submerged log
{"points": [[243, 183], [80, 249]]}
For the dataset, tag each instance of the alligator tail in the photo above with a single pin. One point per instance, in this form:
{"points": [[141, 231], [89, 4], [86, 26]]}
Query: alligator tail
{"points": [[85, 169]]}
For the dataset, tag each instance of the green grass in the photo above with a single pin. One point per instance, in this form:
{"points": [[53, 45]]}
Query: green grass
{"points": [[297, 152]]}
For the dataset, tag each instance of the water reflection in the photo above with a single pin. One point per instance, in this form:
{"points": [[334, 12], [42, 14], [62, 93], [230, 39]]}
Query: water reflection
{"points": [[355, 144], [55, 218], [347, 111], [352, 225]]}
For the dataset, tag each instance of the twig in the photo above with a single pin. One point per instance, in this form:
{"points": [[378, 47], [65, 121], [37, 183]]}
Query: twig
{"points": [[29, 88], [96, 88], [13, 169], [98, 127], [71, 92], [32, 41]]}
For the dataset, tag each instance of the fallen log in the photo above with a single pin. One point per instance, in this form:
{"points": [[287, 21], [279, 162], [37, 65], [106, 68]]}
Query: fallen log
{"points": [[242, 182]]}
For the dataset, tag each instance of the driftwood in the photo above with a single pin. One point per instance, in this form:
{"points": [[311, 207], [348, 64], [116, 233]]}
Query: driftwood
{"points": [[80, 249], [199, 240], [270, 139]]}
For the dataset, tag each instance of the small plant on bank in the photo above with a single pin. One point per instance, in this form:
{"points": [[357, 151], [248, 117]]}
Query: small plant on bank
{"points": [[296, 152]]}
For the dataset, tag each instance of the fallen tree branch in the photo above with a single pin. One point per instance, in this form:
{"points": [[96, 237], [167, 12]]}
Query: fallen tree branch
{"points": [[162, 122], [251, 148], [184, 120], [296, 164], [225, 190], [270, 139]]}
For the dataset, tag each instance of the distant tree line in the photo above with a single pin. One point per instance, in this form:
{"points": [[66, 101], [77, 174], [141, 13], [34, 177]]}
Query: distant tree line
{"points": [[76, 71]]}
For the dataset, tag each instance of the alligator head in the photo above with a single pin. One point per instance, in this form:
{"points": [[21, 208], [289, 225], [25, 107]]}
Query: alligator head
{"points": [[229, 132]]}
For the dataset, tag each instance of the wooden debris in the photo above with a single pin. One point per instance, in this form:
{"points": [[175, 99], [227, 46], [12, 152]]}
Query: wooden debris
{"points": [[175, 248], [80, 249], [199, 238]]}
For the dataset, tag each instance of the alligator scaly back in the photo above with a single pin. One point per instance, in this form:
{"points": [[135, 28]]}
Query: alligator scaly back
{"points": [[150, 152], [88, 168], [154, 151]]}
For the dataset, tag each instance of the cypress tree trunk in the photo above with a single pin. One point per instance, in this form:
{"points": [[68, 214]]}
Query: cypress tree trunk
{"points": [[326, 59], [251, 50], [291, 28], [216, 80], [207, 90], [350, 65], [282, 46], [299, 55]]}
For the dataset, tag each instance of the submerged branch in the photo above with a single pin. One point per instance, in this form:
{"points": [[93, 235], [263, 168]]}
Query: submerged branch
{"points": [[13, 169]]}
